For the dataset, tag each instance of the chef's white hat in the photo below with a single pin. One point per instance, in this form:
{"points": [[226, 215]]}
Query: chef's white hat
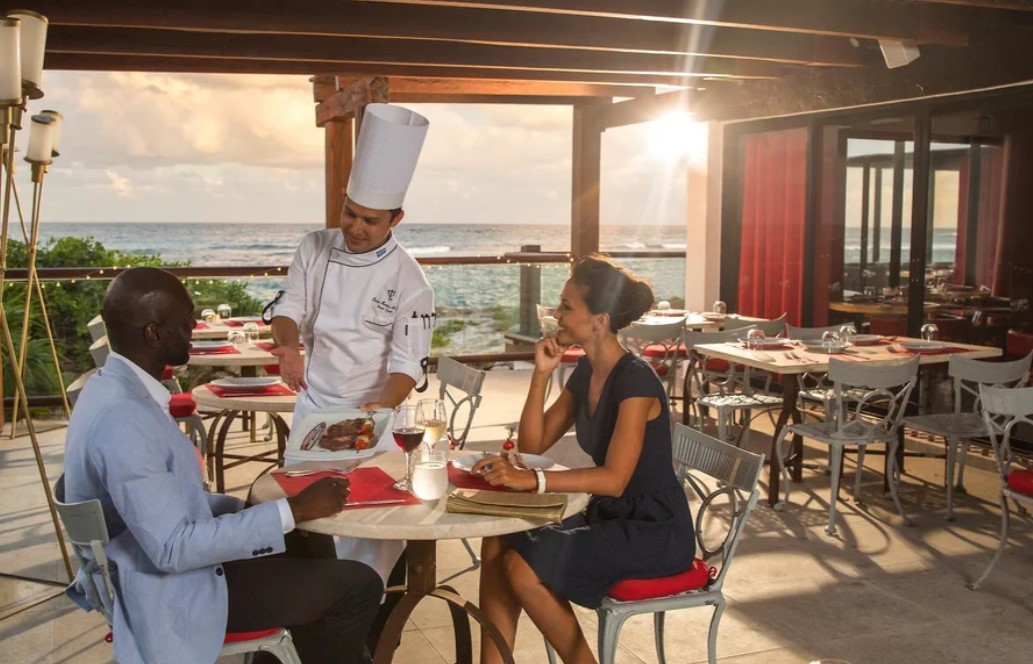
{"points": [[385, 156]]}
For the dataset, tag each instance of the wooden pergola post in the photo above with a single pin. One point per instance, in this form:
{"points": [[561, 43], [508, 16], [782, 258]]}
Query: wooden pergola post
{"points": [[585, 171]]}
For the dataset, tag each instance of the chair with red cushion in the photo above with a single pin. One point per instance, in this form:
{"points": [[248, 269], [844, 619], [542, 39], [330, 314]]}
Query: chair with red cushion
{"points": [[700, 460], [1005, 409], [1019, 344], [88, 533]]}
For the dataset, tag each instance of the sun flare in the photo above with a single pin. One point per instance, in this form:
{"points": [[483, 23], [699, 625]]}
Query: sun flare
{"points": [[675, 136]]}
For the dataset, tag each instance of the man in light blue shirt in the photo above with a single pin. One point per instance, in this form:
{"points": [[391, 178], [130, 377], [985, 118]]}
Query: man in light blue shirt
{"points": [[190, 565]]}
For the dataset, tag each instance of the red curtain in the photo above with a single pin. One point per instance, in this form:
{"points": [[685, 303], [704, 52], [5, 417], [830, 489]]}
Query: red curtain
{"points": [[771, 254], [988, 220]]}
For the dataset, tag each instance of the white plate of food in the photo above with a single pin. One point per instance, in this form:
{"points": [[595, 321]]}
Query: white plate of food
{"points": [[921, 346], [247, 381], [533, 461], [210, 345], [867, 339], [337, 434]]}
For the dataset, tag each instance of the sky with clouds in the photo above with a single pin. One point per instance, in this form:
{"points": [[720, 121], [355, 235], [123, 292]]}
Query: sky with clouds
{"points": [[139, 147]]}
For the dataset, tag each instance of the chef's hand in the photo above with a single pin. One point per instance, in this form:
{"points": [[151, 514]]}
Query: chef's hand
{"points": [[547, 355], [499, 472], [324, 497], [292, 367], [370, 406]]}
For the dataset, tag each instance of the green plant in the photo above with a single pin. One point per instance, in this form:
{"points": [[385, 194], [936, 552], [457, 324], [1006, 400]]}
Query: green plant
{"points": [[442, 335], [503, 319]]}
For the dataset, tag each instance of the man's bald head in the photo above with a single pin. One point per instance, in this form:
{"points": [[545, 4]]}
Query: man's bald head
{"points": [[140, 303]]}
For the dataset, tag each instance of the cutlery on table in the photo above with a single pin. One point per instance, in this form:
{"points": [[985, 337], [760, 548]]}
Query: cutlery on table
{"points": [[314, 471], [386, 501]]}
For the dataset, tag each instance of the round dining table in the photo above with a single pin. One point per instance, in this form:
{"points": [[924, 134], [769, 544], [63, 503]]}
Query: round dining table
{"points": [[422, 526]]}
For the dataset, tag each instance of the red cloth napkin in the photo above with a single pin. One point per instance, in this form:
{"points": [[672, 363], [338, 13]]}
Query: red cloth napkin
{"points": [[269, 345], [201, 325], [366, 484], [225, 350], [939, 351], [464, 480], [277, 390]]}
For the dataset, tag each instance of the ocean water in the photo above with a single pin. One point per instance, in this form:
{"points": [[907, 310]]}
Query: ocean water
{"points": [[470, 293]]}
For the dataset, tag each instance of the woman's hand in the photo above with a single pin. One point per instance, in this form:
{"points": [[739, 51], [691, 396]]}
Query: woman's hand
{"points": [[547, 355], [499, 472]]}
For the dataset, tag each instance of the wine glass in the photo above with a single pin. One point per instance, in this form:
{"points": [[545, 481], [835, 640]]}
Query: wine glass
{"points": [[208, 316], [755, 339], [930, 332], [720, 308], [830, 340], [847, 333], [407, 428], [434, 420], [252, 332], [224, 311]]}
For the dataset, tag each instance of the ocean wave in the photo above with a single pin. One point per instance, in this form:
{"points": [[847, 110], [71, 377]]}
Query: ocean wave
{"points": [[426, 251], [674, 245], [634, 245]]}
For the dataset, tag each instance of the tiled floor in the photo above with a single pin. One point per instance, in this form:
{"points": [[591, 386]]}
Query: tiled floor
{"points": [[877, 593]]}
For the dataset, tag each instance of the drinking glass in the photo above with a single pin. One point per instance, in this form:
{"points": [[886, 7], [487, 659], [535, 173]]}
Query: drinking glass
{"points": [[434, 420], [208, 316], [869, 291], [755, 339], [720, 308], [407, 429], [546, 321], [847, 333], [930, 332], [251, 330], [830, 340], [663, 305], [224, 311], [238, 338], [430, 475]]}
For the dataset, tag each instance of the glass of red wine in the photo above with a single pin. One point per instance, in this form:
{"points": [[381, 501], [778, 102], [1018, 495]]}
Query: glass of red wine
{"points": [[408, 429]]}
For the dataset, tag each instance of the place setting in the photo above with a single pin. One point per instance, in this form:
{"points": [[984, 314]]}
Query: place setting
{"points": [[250, 386], [213, 348]]}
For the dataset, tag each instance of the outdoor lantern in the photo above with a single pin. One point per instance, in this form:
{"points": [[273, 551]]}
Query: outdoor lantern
{"points": [[33, 44], [55, 145], [10, 62], [41, 139]]}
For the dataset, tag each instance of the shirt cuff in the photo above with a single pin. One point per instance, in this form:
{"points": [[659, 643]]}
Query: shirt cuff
{"points": [[286, 515]]}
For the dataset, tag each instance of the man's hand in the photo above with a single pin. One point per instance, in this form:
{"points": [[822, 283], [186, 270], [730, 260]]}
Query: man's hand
{"points": [[324, 497], [292, 367]]}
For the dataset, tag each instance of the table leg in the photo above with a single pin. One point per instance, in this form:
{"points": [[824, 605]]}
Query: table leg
{"points": [[790, 411], [220, 448], [421, 583]]}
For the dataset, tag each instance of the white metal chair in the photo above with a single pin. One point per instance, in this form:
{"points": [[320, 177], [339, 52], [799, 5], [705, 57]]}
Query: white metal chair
{"points": [[775, 327], [461, 391], [887, 387], [736, 473], [96, 327], [75, 387], [88, 533], [814, 386], [1003, 410], [659, 344], [99, 351], [965, 423], [721, 385]]}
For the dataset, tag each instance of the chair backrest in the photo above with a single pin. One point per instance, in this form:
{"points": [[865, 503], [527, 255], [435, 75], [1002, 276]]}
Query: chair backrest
{"points": [[88, 533], [456, 377], [1003, 409], [887, 386], [969, 374], [76, 386], [656, 336], [725, 381], [96, 327], [773, 328], [809, 333], [732, 322], [99, 351], [736, 472]]}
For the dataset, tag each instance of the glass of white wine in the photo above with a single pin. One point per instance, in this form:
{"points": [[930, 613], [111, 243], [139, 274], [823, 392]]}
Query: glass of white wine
{"points": [[435, 420]]}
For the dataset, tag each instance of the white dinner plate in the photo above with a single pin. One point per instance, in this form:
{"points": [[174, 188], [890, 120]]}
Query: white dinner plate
{"points": [[770, 344], [294, 453], [247, 381], [920, 346], [532, 460], [210, 344], [818, 348], [867, 339]]}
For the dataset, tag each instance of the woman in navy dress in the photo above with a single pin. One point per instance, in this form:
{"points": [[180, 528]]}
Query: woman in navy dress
{"points": [[637, 523]]}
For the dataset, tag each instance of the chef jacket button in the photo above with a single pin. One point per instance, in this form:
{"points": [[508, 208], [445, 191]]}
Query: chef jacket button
{"points": [[218, 571], [256, 552]]}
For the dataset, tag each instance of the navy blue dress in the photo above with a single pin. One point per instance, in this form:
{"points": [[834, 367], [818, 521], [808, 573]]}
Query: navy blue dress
{"points": [[646, 532]]}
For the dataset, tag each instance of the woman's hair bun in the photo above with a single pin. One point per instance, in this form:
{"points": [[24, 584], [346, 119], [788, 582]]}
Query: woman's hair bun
{"points": [[612, 289]]}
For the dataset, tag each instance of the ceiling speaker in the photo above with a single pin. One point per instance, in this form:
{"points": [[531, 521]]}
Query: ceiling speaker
{"points": [[898, 53]]}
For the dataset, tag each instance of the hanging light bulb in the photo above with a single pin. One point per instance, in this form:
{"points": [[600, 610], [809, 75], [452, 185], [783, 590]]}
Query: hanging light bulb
{"points": [[10, 62], [58, 120], [33, 46]]}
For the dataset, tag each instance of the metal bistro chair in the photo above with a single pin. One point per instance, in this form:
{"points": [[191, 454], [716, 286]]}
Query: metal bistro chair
{"points": [[659, 344], [96, 328], [961, 426], [455, 378], [814, 387], [88, 533], [888, 387], [736, 472], [721, 385], [1003, 410]]}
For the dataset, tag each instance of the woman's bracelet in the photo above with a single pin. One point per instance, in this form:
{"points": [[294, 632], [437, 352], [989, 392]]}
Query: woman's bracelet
{"points": [[540, 474]]}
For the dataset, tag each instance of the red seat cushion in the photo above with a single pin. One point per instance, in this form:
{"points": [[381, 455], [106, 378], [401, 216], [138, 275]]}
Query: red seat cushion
{"points": [[659, 350], [572, 354], [182, 405], [1021, 481], [716, 365], [168, 373], [630, 590], [237, 637]]}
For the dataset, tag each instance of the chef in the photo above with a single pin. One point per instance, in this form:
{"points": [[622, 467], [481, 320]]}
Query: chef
{"points": [[357, 299]]}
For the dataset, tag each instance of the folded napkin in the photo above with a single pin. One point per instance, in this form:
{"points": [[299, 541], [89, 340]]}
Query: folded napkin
{"points": [[277, 390], [201, 325], [365, 484], [544, 507], [233, 323], [226, 350], [463, 480]]}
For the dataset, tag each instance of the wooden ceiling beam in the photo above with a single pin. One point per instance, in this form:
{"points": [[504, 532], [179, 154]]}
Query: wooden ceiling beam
{"points": [[635, 111], [349, 101], [871, 19], [405, 85], [1016, 5], [175, 64], [133, 42], [317, 18]]}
